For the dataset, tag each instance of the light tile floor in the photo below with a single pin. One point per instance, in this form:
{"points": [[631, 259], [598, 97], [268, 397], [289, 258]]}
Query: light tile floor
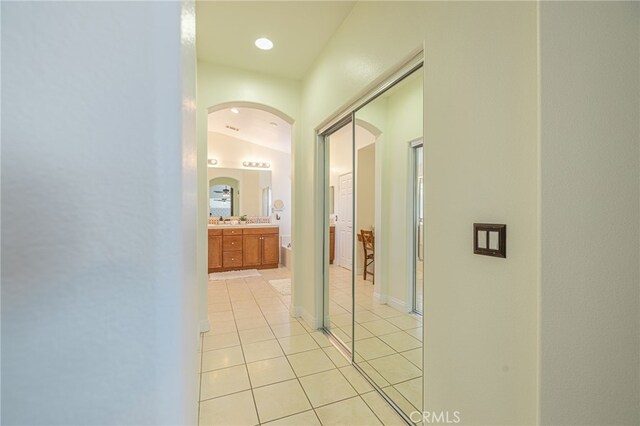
{"points": [[261, 366]]}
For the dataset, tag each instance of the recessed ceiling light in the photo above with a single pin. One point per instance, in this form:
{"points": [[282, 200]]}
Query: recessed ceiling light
{"points": [[235, 110], [264, 43]]}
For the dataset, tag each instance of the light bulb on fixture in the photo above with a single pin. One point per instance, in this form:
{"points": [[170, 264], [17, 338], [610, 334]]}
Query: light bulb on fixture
{"points": [[235, 110], [212, 162], [257, 164]]}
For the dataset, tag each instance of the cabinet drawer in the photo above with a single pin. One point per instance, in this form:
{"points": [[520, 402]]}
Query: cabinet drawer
{"points": [[215, 232], [234, 231], [232, 243], [231, 259], [261, 231]]}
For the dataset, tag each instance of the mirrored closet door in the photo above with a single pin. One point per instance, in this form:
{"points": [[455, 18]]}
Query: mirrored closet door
{"points": [[388, 279], [338, 289]]}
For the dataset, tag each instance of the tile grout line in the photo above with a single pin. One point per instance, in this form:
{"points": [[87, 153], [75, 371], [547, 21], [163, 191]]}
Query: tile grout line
{"points": [[246, 369], [291, 366]]}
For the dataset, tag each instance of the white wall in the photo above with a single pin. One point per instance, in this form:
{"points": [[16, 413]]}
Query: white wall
{"points": [[231, 152], [218, 84], [480, 99], [98, 325], [590, 295]]}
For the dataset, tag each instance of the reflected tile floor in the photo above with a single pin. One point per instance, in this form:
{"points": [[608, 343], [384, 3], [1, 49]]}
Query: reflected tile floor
{"points": [[261, 366], [388, 341]]}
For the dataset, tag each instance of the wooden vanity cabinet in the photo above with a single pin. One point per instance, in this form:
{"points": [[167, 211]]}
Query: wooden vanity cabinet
{"points": [[252, 250], [261, 247], [270, 250], [215, 249], [231, 248], [243, 248]]}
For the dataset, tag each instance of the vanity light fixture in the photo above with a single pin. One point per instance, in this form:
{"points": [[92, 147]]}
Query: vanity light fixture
{"points": [[235, 110], [257, 164], [212, 162], [264, 43]]}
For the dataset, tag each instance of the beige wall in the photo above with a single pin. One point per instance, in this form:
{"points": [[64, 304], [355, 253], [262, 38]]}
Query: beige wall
{"points": [[590, 294], [98, 293], [481, 166]]}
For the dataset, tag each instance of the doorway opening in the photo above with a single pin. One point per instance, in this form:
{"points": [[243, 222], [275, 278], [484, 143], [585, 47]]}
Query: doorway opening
{"points": [[249, 173]]}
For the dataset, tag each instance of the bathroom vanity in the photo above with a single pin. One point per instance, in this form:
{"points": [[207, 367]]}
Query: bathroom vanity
{"points": [[251, 246]]}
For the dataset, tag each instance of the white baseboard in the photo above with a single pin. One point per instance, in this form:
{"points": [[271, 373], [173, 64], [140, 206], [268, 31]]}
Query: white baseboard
{"points": [[380, 298], [397, 304], [204, 326], [299, 311]]}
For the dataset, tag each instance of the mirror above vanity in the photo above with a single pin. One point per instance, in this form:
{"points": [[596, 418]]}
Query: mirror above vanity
{"points": [[239, 192]]}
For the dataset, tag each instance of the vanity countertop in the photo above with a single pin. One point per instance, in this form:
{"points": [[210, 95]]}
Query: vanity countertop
{"points": [[247, 225]]}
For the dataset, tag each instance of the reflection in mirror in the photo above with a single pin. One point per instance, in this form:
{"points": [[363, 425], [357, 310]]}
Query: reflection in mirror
{"points": [[222, 199], [266, 200], [236, 192], [338, 288], [331, 203], [388, 224]]}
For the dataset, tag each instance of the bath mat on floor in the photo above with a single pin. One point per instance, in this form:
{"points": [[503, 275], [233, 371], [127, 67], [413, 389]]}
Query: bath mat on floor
{"points": [[231, 275], [282, 286]]}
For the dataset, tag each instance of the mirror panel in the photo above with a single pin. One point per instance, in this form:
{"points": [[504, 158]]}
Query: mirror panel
{"points": [[338, 295], [389, 234], [236, 192]]}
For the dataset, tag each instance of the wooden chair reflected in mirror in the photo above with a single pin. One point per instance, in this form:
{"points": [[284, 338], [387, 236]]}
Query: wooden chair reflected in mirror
{"points": [[368, 247]]}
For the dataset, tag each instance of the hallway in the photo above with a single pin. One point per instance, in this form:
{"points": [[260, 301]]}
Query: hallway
{"points": [[260, 366]]}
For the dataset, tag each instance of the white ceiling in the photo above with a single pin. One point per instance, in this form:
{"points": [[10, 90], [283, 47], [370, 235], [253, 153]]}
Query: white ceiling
{"points": [[226, 32], [254, 126]]}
